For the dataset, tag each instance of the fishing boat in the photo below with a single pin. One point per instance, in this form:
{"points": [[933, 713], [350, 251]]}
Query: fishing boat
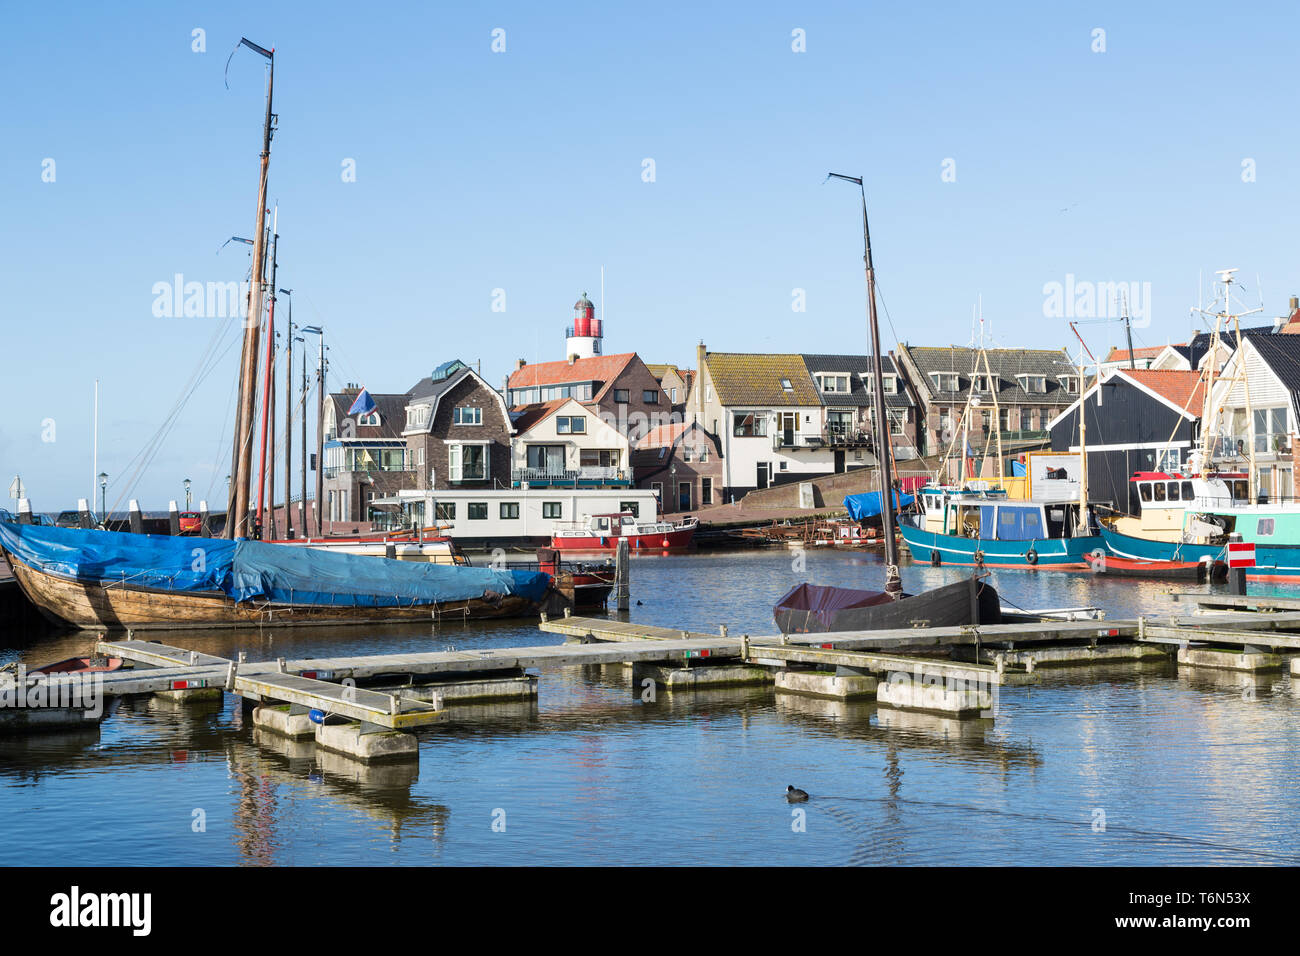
{"points": [[80, 665], [118, 580], [1110, 565], [603, 532], [816, 608], [979, 528]]}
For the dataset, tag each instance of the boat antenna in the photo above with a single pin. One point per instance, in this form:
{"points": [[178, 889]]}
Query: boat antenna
{"points": [[893, 584]]}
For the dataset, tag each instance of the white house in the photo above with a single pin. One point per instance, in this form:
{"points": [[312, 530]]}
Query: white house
{"points": [[564, 442]]}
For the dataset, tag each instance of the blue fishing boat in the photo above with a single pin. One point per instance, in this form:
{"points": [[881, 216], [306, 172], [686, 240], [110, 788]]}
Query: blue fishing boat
{"points": [[985, 528], [1273, 562]]}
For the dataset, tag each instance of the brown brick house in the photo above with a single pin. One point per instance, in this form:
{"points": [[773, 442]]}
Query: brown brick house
{"points": [[457, 431], [682, 464]]}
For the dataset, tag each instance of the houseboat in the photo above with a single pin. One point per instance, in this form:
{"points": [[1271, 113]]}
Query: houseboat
{"points": [[968, 527], [603, 532]]}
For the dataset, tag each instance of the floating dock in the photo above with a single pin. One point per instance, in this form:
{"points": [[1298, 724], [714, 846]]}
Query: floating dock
{"points": [[368, 706]]}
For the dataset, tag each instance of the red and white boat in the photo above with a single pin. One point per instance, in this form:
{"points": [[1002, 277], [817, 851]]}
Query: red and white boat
{"points": [[603, 532], [428, 544]]}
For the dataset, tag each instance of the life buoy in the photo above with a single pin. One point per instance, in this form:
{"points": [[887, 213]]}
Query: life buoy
{"points": [[1031, 556]]}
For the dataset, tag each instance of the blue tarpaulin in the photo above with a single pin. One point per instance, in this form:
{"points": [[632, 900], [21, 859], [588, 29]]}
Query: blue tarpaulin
{"points": [[256, 570], [867, 504]]}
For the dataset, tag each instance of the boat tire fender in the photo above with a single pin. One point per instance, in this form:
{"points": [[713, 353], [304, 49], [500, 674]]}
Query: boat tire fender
{"points": [[935, 560], [1031, 556]]}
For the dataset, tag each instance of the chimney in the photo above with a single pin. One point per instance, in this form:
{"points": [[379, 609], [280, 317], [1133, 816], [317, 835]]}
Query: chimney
{"points": [[700, 352], [1292, 324], [573, 358], [519, 363]]}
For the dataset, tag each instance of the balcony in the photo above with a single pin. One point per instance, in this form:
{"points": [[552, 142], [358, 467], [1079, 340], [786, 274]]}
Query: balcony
{"points": [[787, 440], [1024, 435], [1227, 447], [589, 476], [336, 470]]}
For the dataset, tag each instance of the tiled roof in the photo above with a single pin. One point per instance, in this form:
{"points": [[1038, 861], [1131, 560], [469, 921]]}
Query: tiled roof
{"points": [[1178, 386], [662, 435], [1005, 365], [1122, 355], [391, 408], [755, 379], [856, 366], [525, 417], [599, 368]]}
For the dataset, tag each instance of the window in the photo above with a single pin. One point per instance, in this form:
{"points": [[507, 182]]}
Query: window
{"points": [[631, 506], [706, 491], [509, 509], [467, 415], [708, 395], [598, 458], [1034, 384], [657, 489], [749, 424], [552, 509], [946, 381], [622, 396], [445, 511], [982, 383], [836, 383], [417, 416], [785, 384], [1173, 490], [672, 397], [1265, 527], [1187, 491], [467, 462], [1026, 419], [476, 511], [650, 396], [1145, 488], [1158, 489], [1070, 383], [369, 419], [576, 425]]}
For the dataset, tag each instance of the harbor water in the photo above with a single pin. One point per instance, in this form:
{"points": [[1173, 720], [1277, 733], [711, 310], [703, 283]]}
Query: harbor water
{"points": [[1116, 764]]}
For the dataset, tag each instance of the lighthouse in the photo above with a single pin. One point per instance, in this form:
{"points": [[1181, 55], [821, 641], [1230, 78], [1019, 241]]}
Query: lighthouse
{"points": [[582, 339]]}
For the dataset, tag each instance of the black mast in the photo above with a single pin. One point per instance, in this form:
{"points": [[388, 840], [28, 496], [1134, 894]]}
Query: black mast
{"points": [[884, 453]]}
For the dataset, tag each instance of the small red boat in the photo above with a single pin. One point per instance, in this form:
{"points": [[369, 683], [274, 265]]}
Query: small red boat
{"points": [[1114, 566], [603, 532], [80, 665]]}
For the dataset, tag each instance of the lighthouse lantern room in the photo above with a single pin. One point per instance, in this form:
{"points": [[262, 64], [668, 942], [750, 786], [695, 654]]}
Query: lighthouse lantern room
{"points": [[583, 337]]}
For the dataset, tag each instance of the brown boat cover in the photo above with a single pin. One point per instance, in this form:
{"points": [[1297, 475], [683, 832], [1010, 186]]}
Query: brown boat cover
{"points": [[824, 601]]}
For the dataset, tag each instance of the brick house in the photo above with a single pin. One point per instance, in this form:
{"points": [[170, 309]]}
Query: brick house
{"points": [[364, 455], [457, 431], [1024, 388], [682, 464]]}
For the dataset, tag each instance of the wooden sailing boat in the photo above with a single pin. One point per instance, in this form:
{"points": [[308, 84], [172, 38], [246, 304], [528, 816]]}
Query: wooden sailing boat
{"points": [[815, 608], [107, 579]]}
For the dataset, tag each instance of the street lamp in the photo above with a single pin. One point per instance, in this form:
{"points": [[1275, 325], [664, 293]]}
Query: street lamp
{"points": [[103, 493], [186, 483]]}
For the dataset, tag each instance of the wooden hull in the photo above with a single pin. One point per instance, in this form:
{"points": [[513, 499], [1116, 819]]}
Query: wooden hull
{"points": [[115, 607], [964, 602]]}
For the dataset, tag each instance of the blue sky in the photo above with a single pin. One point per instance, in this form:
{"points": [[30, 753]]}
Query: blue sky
{"points": [[522, 171]]}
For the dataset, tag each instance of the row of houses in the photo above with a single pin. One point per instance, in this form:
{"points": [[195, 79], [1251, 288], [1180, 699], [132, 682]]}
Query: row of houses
{"points": [[737, 422]]}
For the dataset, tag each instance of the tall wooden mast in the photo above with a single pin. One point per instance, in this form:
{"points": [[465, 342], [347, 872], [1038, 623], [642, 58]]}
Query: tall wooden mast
{"points": [[238, 515], [884, 456]]}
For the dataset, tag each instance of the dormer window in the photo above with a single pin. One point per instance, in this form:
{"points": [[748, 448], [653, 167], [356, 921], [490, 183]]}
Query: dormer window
{"points": [[1070, 383], [369, 419], [946, 381], [833, 383], [1033, 384], [417, 416], [982, 383]]}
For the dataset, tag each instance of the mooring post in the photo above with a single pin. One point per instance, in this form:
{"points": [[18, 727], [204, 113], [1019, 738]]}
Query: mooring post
{"points": [[1237, 581], [622, 575], [205, 521], [135, 520], [173, 519], [83, 512], [24, 511]]}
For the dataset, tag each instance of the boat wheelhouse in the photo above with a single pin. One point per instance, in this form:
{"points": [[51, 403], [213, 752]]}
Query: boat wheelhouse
{"points": [[967, 527]]}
